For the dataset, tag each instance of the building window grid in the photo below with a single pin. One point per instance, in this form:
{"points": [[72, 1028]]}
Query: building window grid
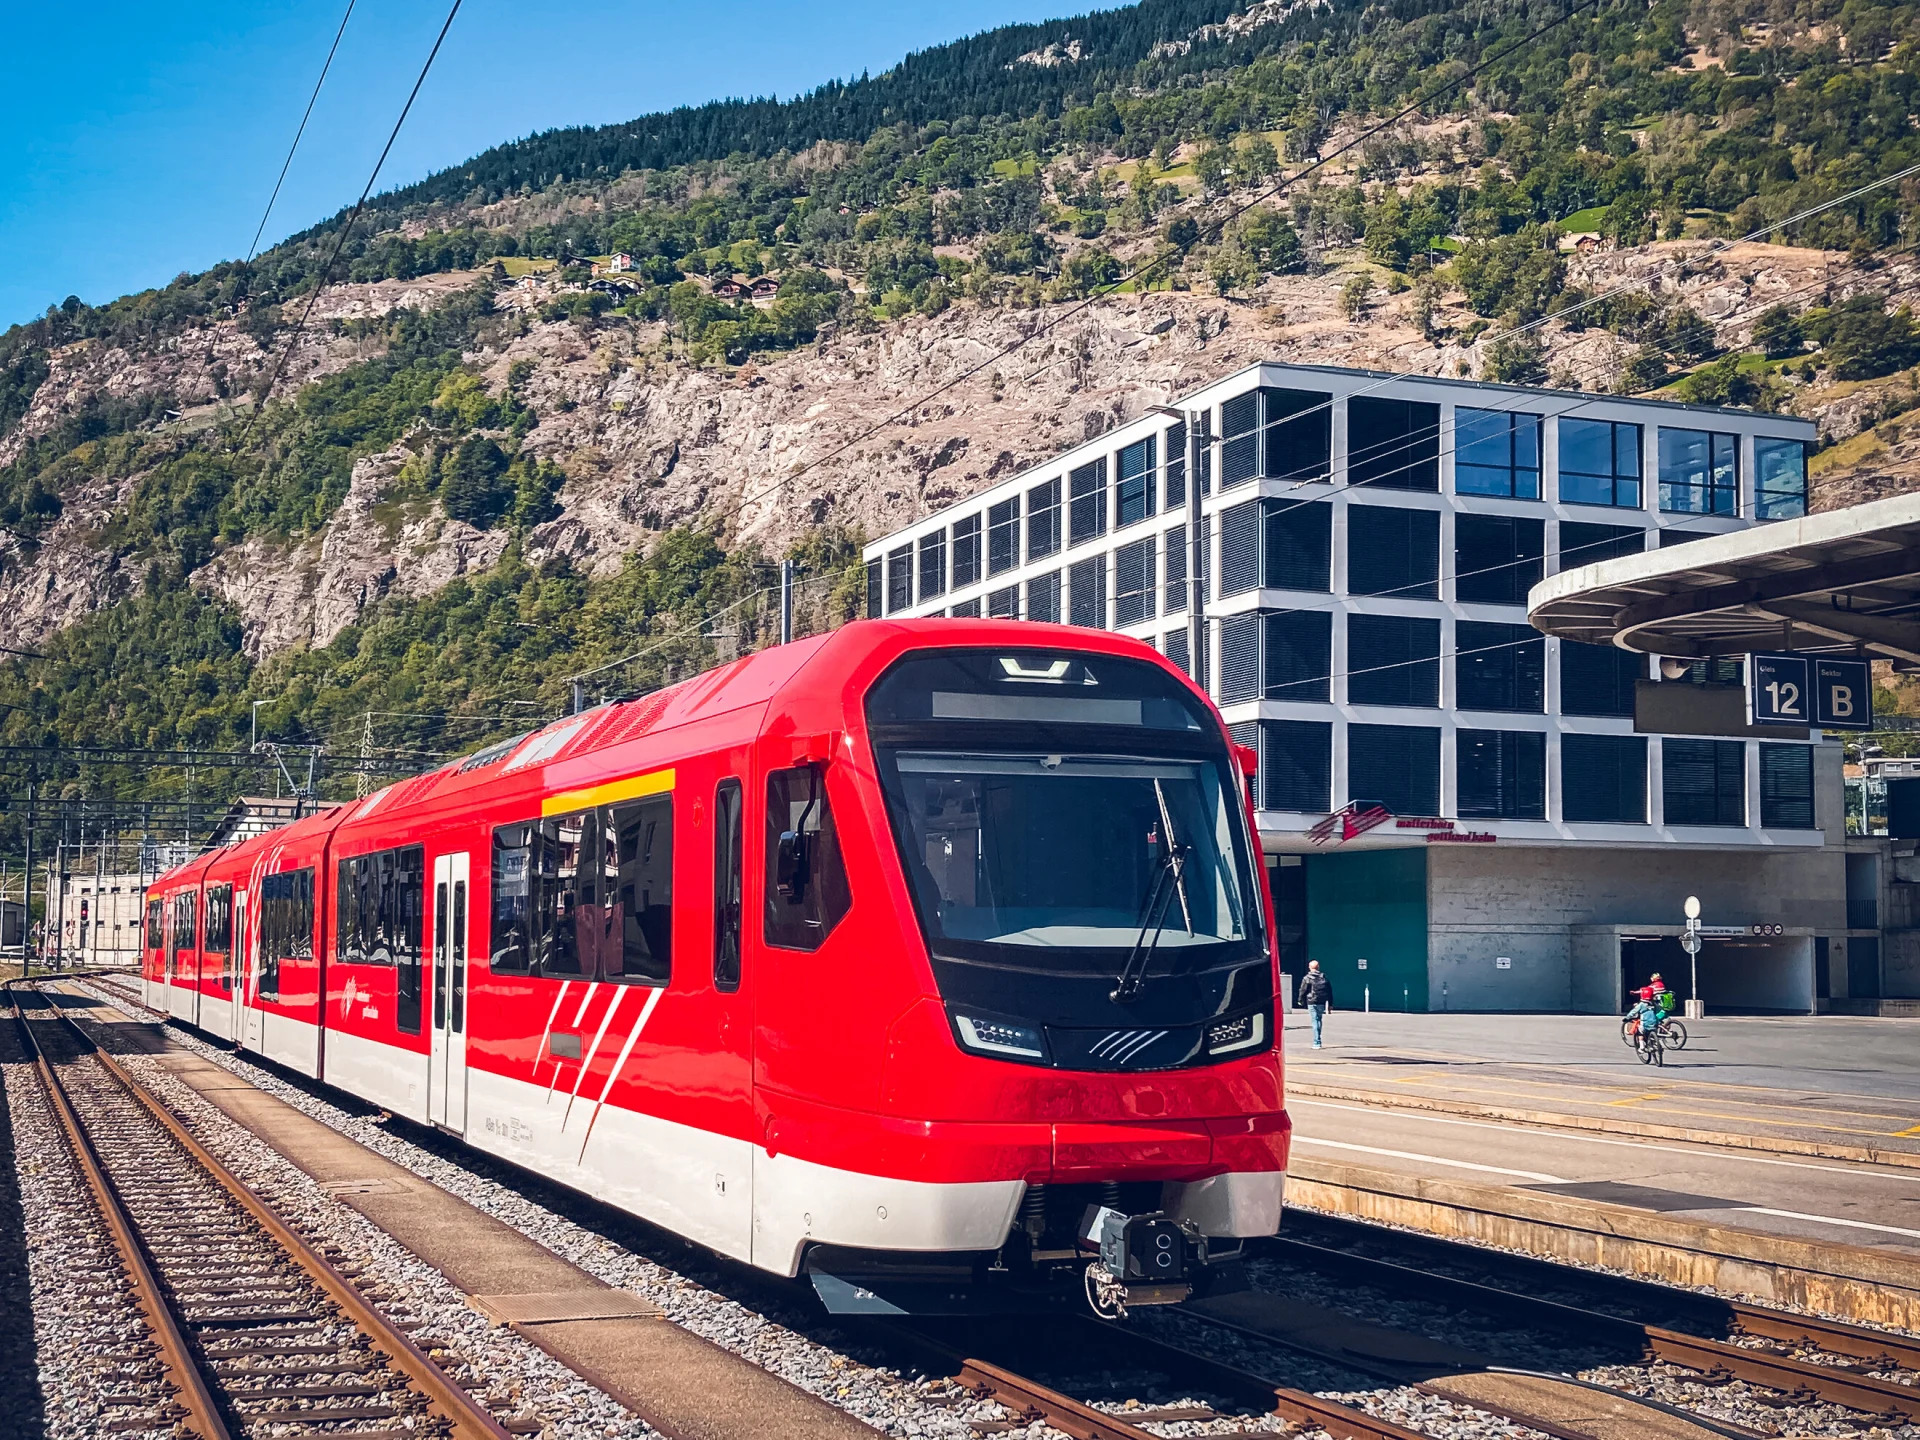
{"points": [[1133, 583], [1173, 592], [1043, 598], [1779, 478], [1043, 520], [1133, 496], [899, 579], [1393, 444], [1087, 502], [933, 565], [1003, 536], [1496, 452], [1699, 472], [1703, 782], [1600, 463]]}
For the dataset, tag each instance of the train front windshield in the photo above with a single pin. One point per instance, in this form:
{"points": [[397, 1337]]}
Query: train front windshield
{"points": [[1072, 835]]}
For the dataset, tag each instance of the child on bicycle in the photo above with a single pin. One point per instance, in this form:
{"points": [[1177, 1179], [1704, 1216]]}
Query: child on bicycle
{"points": [[1652, 1006]]}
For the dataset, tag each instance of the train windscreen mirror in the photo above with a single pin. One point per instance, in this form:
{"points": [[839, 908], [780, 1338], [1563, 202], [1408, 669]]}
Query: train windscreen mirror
{"points": [[793, 864]]}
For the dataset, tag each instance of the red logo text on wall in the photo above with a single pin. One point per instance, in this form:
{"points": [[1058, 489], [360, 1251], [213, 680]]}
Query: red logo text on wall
{"points": [[1359, 816]]}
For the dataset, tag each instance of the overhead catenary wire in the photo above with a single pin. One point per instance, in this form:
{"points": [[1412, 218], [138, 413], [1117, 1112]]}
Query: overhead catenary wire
{"points": [[1164, 257], [306, 115], [346, 229]]}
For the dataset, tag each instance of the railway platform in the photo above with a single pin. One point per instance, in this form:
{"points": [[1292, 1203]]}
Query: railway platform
{"points": [[1774, 1157]]}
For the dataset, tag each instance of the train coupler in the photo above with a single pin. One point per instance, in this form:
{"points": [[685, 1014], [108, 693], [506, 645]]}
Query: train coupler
{"points": [[1144, 1260]]}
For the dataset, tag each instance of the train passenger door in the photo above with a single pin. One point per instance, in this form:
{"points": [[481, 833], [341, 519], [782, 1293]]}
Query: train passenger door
{"points": [[447, 1057], [236, 976], [252, 1017]]}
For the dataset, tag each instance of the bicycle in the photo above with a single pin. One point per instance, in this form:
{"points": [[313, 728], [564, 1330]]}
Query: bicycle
{"points": [[1671, 1030]]}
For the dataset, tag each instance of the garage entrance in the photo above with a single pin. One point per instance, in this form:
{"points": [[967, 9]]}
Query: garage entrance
{"points": [[1739, 975]]}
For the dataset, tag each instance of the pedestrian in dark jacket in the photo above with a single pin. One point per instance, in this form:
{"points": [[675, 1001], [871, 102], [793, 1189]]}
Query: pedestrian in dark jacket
{"points": [[1316, 993]]}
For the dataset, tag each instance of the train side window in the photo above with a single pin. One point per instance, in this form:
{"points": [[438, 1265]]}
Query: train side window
{"points": [[403, 875], [220, 931], [729, 837], [566, 905], [510, 941], [806, 890], [637, 943], [156, 925], [286, 924], [183, 920], [459, 956]]}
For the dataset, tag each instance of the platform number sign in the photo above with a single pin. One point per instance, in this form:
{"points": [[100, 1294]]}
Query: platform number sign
{"points": [[1789, 689]]}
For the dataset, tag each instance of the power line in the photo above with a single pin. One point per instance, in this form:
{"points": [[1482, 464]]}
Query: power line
{"points": [[1165, 256], [326, 273], [254, 248]]}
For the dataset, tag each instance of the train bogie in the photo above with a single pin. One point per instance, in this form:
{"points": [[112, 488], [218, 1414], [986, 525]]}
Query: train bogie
{"points": [[925, 948]]}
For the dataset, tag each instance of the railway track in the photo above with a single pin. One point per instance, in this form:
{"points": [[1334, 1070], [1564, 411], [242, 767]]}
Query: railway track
{"points": [[1845, 1377], [1003, 1362], [249, 1331]]}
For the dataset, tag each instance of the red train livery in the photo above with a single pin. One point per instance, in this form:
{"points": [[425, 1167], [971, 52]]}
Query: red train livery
{"points": [[921, 952]]}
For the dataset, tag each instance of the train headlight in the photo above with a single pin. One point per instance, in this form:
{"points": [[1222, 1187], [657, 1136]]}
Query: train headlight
{"points": [[998, 1037], [1231, 1036]]}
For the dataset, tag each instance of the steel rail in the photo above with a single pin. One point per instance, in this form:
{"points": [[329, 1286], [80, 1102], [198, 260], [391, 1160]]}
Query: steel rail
{"points": [[467, 1418], [1714, 1357], [203, 1415]]}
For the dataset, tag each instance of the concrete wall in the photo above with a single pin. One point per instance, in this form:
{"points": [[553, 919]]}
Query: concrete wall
{"points": [[1464, 971], [1488, 887], [1759, 974], [1900, 963]]}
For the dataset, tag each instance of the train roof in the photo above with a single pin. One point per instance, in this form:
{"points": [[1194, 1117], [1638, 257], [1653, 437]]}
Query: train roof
{"points": [[576, 749]]}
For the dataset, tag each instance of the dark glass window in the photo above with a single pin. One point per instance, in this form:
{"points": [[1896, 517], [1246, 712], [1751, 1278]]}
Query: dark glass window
{"points": [[1003, 536], [1133, 583], [933, 565], [1240, 439], [1603, 779], [1174, 647], [1780, 478], [1240, 548], [1786, 786], [1299, 545], [1496, 452], [1174, 490], [1087, 592], [966, 551], [899, 579], [1496, 558], [286, 924], [967, 609], [1298, 659], [586, 896], [1397, 766], [1004, 604], [1676, 535], [1134, 496], [729, 840], [219, 920], [1296, 765], [185, 915], [1499, 667], [1239, 657], [1297, 434], [806, 881], [1590, 544], [875, 589], [1173, 595], [1043, 520], [1393, 551], [1598, 679], [156, 925], [1087, 503], [1703, 782], [1393, 444], [1393, 660], [1043, 598], [1500, 774], [1599, 463], [1283, 434], [1699, 472]]}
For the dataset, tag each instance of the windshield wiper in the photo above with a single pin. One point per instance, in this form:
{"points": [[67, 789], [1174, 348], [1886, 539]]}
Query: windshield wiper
{"points": [[1170, 877]]}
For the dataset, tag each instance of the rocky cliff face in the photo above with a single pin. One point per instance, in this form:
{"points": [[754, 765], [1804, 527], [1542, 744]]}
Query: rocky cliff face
{"points": [[819, 434]]}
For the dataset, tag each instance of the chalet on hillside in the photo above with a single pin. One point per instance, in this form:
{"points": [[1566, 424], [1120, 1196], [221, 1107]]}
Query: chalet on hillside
{"points": [[764, 288], [619, 264], [728, 288]]}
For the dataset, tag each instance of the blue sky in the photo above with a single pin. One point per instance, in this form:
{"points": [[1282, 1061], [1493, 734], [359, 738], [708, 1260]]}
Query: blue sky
{"points": [[143, 138]]}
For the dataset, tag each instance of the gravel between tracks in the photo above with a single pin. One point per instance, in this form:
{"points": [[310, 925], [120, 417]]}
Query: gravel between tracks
{"points": [[900, 1405], [83, 1310]]}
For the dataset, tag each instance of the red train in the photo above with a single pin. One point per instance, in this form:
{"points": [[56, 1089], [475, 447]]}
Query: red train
{"points": [[920, 953]]}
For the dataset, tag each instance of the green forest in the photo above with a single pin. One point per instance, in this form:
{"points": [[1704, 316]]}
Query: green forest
{"points": [[963, 176]]}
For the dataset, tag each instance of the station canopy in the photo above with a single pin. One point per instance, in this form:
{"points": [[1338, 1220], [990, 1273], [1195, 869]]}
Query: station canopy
{"points": [[1843, 580]]}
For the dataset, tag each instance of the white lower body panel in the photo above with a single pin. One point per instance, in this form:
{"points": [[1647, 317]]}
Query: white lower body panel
{"points": [[286, 1041], [381, 1074], [216, 1015], [687, 1180]]}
